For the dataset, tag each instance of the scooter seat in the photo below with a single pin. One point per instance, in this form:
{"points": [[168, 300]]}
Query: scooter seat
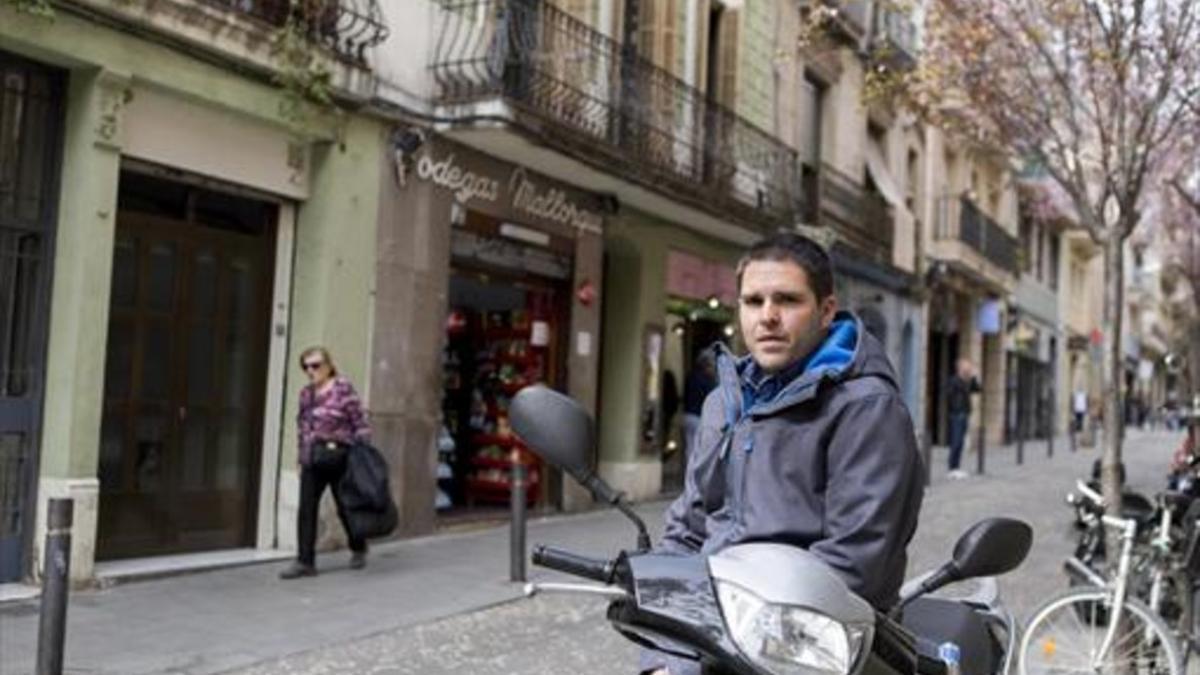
{"points": [[934, 621]]}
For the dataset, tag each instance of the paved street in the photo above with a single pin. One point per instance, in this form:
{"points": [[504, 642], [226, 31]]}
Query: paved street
{"points": [[442, 605]]}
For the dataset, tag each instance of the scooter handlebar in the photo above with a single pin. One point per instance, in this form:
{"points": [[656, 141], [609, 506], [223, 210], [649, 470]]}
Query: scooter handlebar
{"points": [[573, 564]]}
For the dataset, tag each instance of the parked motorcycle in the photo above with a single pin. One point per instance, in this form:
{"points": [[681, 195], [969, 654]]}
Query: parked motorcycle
{"points": [[767, 608]]}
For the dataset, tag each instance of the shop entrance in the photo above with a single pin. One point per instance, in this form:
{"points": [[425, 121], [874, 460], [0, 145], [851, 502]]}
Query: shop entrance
{"points": [[186, 369], [692, 328], [940, 359], [505, 329], [1027, 398]]}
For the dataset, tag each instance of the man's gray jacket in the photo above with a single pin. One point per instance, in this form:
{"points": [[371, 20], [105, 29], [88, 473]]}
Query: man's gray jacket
{"points": [[826, 460]]}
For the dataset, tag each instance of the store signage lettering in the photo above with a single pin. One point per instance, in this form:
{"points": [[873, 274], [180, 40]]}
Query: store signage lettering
{"points": [[466, 185], [551, 204], [527, 196]]}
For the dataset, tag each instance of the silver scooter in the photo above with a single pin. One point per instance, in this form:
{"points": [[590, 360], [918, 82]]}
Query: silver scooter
{"points": [[773, 609]]}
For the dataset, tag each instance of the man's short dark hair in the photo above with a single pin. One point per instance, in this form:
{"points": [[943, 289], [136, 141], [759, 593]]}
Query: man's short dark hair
{"points": [[796, 248]]}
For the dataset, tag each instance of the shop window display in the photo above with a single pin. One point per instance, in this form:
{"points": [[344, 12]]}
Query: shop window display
{"points": [[500, 338]]}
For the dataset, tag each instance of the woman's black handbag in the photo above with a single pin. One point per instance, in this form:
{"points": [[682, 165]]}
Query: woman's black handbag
{"points": [[365, 493], [327, 456]]}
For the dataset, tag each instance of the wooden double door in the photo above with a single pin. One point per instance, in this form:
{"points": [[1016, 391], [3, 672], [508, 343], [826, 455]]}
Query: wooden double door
{"points": [[184, 386]]}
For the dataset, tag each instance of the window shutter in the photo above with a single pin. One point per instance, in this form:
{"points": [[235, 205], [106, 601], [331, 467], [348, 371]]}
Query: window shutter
{"points": [[728, 60]]}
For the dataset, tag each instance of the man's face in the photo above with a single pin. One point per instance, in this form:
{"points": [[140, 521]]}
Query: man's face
{"points": [[781, 319], [966, 370]]}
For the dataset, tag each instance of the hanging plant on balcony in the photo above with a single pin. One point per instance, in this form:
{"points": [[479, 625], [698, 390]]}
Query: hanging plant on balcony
{"points": [[40, 8], [303, 73]]}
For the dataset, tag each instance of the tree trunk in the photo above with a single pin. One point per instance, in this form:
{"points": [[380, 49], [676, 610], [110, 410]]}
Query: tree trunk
{"points": [[1192, 354], [1110, 371]]}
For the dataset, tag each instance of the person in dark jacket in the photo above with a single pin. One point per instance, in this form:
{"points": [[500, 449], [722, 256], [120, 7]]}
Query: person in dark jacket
{"points": [[701, 380], [958, 408], [806, 440]]}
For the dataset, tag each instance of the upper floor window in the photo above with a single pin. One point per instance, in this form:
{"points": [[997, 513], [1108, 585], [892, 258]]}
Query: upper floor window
{"points": [[1027, 235], [1055, 248], [812, 100], [912, 179]]}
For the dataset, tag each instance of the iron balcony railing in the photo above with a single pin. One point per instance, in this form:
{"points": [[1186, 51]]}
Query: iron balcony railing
{"points": [[861, 218], [591, 96], [851, 18], [896, 35], [853, 14], [976, 229], [347, 27]]}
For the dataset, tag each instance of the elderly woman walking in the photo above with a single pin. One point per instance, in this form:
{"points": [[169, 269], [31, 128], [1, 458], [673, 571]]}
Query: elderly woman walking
{"points": [[331, 420]]}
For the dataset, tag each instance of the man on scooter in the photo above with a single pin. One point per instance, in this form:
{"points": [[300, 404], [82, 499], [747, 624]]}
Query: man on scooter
{"points": [[806, 440]]}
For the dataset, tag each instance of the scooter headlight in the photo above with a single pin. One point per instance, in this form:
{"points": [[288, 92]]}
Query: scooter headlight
{"points": [[790, 640]]}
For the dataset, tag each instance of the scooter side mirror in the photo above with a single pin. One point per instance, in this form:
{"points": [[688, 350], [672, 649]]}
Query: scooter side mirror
{"points": [[556, 427], [990, 547], [559, 430]]}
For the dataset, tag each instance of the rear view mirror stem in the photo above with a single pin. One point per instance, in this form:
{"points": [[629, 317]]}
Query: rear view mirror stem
{"points": [[604, 492]]}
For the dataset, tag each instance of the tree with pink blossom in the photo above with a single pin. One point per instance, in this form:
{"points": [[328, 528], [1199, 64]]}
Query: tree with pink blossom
{"points": [[1094, 93]]}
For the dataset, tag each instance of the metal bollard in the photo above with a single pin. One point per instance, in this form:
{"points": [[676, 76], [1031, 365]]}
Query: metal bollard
{"points": [[1050, 442], [1020, 441], [517, 537], [927, 454], [52, 626], [980, 464]]}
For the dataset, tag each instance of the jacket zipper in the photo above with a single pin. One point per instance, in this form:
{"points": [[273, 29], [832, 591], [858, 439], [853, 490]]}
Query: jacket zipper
{"points": [[736, 474]]}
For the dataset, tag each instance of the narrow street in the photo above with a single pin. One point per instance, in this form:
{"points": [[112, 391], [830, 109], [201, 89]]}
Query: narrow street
{"points": [[566, 634]]}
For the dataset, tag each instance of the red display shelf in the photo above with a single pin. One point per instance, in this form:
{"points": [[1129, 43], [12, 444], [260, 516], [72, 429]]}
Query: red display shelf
{"points": [[506, 333], [484, 440], [526, 359], [493, 463]]}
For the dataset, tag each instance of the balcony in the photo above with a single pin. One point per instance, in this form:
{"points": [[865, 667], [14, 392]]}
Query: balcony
{"points": [[346, 27], [241, 33], [861, 218], [851, 20], [586, 96], [895, 37], [964, 223]]}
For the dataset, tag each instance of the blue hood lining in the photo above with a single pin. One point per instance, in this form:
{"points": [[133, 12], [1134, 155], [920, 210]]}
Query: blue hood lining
{"points": [[837, 351], [835, 354]]}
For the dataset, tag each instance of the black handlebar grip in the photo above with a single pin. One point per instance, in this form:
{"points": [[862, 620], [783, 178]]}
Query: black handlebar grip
{"points": [[576, 565]]}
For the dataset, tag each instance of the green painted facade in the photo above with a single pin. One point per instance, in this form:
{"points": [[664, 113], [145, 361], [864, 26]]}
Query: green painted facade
{"points": [[333, 283], [636, 247], [335, 227]]}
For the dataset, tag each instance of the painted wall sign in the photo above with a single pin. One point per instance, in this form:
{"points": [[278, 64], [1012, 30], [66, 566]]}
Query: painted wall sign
{"points": [[550, 203], [466, 185], [522, 193]]}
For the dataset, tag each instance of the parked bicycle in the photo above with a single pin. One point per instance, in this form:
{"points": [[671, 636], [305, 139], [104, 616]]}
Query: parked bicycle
{"points": [[1105, 626]]}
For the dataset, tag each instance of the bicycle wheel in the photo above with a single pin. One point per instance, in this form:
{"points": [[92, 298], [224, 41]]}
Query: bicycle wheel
{"points": [[1064, 636]]}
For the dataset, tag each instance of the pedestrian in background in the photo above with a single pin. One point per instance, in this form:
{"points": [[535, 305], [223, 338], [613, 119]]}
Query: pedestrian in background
{"points": [[701, 379], [1079, 405], [958, 404], [331, 420]]}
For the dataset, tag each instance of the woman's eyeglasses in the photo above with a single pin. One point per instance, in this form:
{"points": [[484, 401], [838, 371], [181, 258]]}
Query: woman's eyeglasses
{"points": [[312, 365]]}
